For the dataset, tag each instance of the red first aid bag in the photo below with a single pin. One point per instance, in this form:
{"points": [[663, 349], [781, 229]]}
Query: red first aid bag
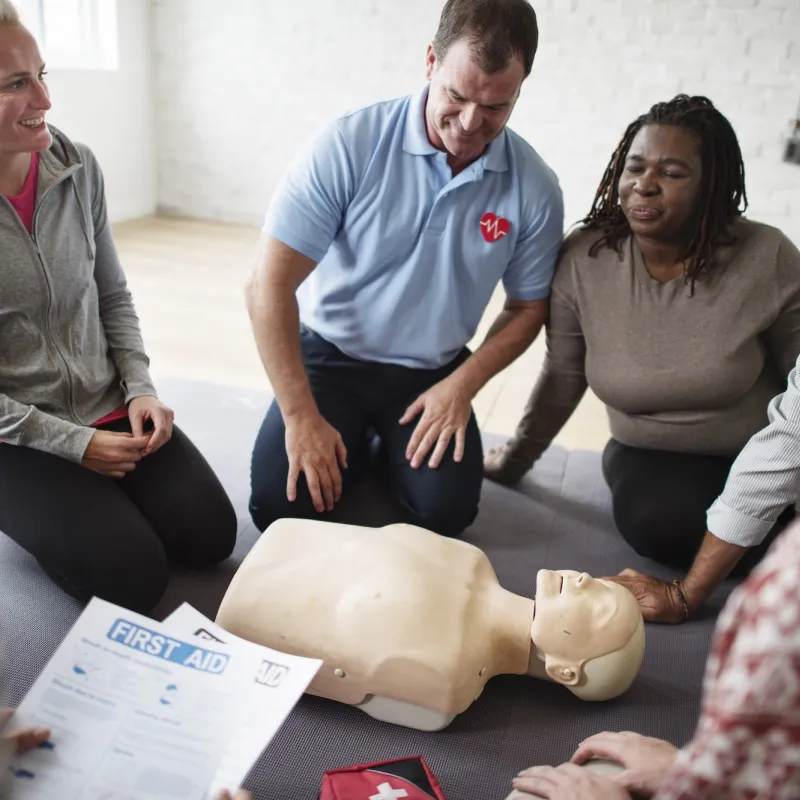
{"points": [[405, 779]]}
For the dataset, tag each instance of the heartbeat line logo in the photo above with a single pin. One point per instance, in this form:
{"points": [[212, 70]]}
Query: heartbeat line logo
{"points": [[493, 227]]}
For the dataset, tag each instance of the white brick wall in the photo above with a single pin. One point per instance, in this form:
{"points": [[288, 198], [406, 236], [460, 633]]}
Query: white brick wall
{"points": [[240, 84]]}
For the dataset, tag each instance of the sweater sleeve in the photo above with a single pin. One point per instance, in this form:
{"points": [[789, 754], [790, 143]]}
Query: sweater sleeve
{"points": [[561, 383], [26, 426], [117, 312], [782, 338]]}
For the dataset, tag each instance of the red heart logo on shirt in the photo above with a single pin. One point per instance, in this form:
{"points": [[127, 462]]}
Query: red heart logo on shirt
{"points": [[493, 227]]}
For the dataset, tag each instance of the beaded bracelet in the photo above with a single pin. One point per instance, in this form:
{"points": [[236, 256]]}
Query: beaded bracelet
{"points": [[682, 597]]}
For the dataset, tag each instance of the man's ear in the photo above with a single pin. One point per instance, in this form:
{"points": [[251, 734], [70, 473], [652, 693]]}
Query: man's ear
{"points": [[430, 61], [561, 671]]}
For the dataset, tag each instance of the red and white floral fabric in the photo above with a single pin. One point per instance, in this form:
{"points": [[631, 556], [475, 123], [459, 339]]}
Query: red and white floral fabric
{"points": [[747, 744]]}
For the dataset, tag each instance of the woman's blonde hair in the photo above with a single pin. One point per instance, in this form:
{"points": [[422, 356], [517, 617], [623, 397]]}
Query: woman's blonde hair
{"points": [[8, 13]]}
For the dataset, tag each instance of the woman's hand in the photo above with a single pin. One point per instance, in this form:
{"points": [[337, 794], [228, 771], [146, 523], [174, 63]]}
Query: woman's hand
{"points": [[500, 468], [240, 795], [658, 599], [151, 409], [114, 454], [646, 761], [568, 782]]}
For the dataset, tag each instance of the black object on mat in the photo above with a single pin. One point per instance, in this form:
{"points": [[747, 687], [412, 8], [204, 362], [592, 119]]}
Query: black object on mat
{"points": [[558, 518]]}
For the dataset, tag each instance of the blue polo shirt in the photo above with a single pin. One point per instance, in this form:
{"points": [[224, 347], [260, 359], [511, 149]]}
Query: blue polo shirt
{"points": [[407, 255]]}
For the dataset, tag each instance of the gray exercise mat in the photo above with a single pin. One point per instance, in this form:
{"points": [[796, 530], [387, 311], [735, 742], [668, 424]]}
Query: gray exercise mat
{"points": [[558, 518]]}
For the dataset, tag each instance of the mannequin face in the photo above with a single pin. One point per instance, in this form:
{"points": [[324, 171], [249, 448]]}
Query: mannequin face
{"points": [[578, 618]]}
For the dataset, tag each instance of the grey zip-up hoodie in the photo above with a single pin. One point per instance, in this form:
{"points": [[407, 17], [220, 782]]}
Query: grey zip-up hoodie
{"points": [[70, 346]]}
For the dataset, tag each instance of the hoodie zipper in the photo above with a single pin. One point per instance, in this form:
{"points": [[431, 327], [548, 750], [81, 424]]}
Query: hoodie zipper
{"points": [[48, 327]]}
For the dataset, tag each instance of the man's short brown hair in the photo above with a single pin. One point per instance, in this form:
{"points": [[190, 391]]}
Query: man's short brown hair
{"points": [[497, 32]]}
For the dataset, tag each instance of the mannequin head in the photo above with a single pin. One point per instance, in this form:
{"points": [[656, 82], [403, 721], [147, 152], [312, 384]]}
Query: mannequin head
{"points": [[588, 633]]}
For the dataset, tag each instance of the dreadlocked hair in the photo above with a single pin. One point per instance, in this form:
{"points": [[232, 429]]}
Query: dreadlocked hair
{"points": [[722, 199]]}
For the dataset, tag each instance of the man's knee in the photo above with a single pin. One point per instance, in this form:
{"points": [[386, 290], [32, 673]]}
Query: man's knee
{"points": [[448, 513], [269, 502], [447, 520]]}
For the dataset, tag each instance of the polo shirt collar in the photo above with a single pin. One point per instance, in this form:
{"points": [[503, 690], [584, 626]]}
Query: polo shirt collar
{"points": [[415, 139], [416, 142]]}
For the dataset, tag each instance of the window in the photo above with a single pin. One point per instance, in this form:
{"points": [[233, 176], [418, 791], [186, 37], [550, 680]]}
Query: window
{"points": [[74, 34]]}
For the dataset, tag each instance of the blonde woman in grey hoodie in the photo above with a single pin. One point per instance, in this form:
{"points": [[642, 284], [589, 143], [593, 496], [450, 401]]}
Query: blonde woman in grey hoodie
{"points": [[95, 482]]}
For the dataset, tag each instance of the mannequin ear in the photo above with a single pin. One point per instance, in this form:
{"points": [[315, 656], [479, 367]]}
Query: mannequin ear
{"points": [[561, 671]]}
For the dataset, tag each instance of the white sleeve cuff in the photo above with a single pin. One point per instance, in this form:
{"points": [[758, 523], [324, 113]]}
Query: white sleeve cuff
{"points": [[736, 528]]}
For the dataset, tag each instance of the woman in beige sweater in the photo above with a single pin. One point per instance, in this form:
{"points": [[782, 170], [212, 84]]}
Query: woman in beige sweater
{"points": [[684, 319]]}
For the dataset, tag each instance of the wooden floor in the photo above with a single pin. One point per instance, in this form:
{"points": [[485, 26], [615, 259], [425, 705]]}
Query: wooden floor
{"points": [[188, 277]]}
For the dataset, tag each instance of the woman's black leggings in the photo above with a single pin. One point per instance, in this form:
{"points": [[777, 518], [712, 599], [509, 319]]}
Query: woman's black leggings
{"points": [[116, 539], [660, 500]]}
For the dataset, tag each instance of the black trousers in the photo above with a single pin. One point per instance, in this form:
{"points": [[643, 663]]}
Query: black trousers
{"points": [[660, 500], [115, 539], [364, 400]]}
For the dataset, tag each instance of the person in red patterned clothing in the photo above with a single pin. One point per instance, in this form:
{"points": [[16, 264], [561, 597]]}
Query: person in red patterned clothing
{"points": [[747, 742]]}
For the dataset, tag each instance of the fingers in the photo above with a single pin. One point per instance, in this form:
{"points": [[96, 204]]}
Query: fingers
{"points": [[630, 573], [136, 418], [412, 411], [291, 480], [441, 448], [538, 781], [336, 483], [240, 795], [417, 436], [162, 422], [314, 484], [326, 485], [424, 447], [461, 443], [29, 739], [603, 745], [161, 435], [341, 452], [132, 446]]}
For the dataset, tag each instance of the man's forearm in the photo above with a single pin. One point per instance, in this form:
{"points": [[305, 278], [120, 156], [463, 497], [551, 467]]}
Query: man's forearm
{"points": [[510, 336], [275, 318], [713, 563]]}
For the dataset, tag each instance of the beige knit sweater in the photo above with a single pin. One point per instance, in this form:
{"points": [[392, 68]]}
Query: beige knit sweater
{"points": [[676, 372]]}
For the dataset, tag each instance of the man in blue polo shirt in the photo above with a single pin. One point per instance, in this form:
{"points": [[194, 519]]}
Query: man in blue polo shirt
{"points": [[382, 247]]}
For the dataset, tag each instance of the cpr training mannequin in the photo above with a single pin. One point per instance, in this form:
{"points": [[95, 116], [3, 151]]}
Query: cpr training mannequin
{"points": [[411, 625]]}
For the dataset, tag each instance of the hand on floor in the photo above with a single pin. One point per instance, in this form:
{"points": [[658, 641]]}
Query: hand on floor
{"points": [[498, 467], [568, 782], [658, 599], [647, 761]]}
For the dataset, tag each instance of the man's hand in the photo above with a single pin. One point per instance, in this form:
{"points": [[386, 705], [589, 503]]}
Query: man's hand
{"points": [[446, 409], [568, 782], [646, 760], [148, 408], [658, 599], [114, 454], [315, 448]]}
